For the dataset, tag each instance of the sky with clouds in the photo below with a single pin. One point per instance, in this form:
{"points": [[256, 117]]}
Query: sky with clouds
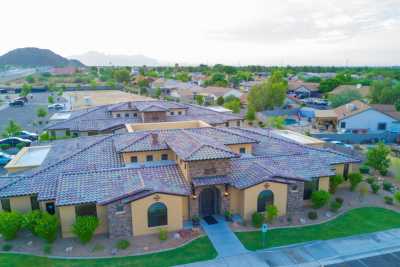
{"points": [[267, 32]]}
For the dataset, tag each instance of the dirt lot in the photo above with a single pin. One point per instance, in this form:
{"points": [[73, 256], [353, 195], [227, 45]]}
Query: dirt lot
{"points": [[80, 99]]}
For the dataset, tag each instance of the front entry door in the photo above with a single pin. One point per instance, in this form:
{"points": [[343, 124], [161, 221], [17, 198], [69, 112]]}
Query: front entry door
{"points": [[208, 201]]}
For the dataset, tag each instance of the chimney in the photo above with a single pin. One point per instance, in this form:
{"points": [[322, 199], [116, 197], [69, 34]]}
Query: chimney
{"points": [[154, 139]]}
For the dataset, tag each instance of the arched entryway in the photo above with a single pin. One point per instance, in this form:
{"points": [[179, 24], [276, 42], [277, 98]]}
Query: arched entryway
{"points": [[209, 201], [265, 198]]}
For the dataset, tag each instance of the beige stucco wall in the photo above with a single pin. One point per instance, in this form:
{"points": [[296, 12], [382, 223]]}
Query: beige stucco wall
{"points": [[185, 208], [21, 204], [236, 148], [339, 168], [140, 207], [250, 196], [236, 198], [142, 155], [68, 217], [323, 183]]}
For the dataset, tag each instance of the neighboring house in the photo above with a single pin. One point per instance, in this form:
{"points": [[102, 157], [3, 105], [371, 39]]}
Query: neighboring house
{"points": [[363, 90], [139, 182], [303, 89], [211, 93], [198, 78], [247, 85], [112, 118], [359, 117], [168, 86]]}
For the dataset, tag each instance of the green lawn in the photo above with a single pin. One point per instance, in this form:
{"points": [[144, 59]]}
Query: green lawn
{"points": [[198, 250], [357, 221], [395, 167]]}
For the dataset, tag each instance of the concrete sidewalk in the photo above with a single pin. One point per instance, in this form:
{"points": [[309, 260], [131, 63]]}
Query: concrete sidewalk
{"points": [[316, 253]]}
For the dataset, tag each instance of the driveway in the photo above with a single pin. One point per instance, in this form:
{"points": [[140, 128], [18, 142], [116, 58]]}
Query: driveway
{"points": [[384, 260]]}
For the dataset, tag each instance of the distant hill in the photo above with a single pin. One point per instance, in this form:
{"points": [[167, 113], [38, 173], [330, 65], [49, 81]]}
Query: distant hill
{"points": [[36, 57], [94, 58]]}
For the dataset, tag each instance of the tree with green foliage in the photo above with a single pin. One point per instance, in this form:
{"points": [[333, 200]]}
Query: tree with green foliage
{"points": [[10, 224], [93, 84], [271, 212], [355, 178], [122, 75], [269, 94], [334, 182], [384, 92], [277, 122], [50, 99], [152, 73], [26, 89], [328, 85], [233, 104], [344, 98], [111, 83], [11, 129], [182, 76], [250, 114], [158, 92], [217, 79], [41, 112], [47, 227], [199, 100], [220, 101], [30, 79], [378, 158], [320, 198], [84, 227]]}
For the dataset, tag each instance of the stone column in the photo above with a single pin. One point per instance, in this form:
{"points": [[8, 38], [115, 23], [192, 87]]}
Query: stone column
{"points": [[295, 197], [119, 220]]}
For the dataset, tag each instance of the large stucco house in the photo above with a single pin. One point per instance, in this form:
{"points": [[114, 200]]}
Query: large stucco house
{"points": [[140, 181], [112, 118]]}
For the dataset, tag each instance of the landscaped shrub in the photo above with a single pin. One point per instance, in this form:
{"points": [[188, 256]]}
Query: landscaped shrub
{"points": [[257, 219], [312, 215], [10, 223], [364, 169], [20, 145], [270, 213], [7, 247], [388, 200], [370, 180], [340, 200], [387, 186], [228, 215], [397, 196], [84, 227], [31, 219], [123, 244], [334, 182], [47, 227], [319, 198], [335, 206], [4, 146], [355, 179], [375, 188], [47, 248], [163, 234]]}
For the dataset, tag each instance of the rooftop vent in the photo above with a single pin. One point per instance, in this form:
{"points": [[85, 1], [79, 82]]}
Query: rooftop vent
{"points": [[154, 139]]}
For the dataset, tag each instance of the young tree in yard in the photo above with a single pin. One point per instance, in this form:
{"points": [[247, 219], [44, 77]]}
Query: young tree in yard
{"points": [[41, 112], [277, 122], [344, 98], [378, 158], [319, 198], [122, 75], [50, 99], [93, 84], [334, 182], [355, 179], [26, 89], [199, 100], [220, 100], [158, 92], [11, 129], [30, 79], [271, 211], [233, 104], [250, 114]]}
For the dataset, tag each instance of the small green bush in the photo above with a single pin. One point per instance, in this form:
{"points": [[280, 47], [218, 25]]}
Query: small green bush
{"points": [[370, 180], [4, 146], [340, 200], [123, 244], [388, 200], [163, 234], [228, 215], [31, 219], [364, 169], [47, 227], [355, 179], [47, 248], [375, 187], [335, 206], [84, 228], [334, 182], [319, 198], [10, 224], [387, 186], [20, 145], [7, 247], [271, 213], [397, 196], [312, 215], [257, 219]]}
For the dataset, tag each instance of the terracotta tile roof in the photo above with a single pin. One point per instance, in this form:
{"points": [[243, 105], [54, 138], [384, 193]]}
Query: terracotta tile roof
{"points": [[350, 109], [293, 85], [363, 90], [389, 110]]}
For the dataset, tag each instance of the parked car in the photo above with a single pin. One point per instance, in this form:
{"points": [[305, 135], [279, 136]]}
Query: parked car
{"points": [[17, 103], [339, 143], [4, 158], [13, 141], [56, 106], [23, 98], [27, 135]]}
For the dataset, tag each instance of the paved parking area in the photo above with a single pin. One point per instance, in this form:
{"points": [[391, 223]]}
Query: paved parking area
{"points": [[25, 115], [386, 260]]}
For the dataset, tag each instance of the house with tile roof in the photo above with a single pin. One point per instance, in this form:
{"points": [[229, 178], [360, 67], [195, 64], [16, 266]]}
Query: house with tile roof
{"points": [[301, 89], [112, 118], [140, 181]]}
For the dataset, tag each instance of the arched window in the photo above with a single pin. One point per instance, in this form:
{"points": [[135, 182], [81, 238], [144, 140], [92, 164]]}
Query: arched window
{"points": [[265, 198], [157, 215]]}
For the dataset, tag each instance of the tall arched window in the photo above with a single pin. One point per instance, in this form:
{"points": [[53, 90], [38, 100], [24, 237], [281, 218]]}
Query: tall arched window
{"points": [[265, 198], [157, 215]]}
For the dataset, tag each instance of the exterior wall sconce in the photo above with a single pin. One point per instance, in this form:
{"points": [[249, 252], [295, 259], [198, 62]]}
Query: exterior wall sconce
{"points": [[157, 197], [226, 193], [194, 196]]}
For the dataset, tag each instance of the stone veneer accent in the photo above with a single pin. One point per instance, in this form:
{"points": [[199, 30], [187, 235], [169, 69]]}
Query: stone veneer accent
{"points": [[119, 222], [156, 116], [295, 197], [201, 168], [225, 202]]}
